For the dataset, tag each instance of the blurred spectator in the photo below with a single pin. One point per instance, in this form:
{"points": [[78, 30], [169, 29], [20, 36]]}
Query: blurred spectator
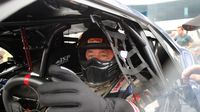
{"points": [[173, 34], [183, 38]]}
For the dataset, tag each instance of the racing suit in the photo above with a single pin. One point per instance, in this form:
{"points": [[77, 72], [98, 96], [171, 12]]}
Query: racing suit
{"points": [[120, 88]]}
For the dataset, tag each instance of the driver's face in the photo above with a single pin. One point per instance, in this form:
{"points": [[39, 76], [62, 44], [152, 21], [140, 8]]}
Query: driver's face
{"points": [[100, 54]]}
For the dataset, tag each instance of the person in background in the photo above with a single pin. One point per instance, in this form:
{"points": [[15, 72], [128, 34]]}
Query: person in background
{"points": [[173, 34], [183, 39], [102, 87]]}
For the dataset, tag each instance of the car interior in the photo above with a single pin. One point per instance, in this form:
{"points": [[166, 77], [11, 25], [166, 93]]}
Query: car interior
{"points": [[38, 39]]}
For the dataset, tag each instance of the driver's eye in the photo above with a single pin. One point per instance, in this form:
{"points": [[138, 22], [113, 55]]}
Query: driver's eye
{"points": [[90, 56], [103, 55]]}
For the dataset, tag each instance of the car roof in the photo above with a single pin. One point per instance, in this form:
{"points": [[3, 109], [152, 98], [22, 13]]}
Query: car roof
{"points": [[9, 8], [115, 7], [193, 24]]}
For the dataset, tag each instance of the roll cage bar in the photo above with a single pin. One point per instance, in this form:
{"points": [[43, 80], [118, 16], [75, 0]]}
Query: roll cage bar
{"points": [[125, 64]]}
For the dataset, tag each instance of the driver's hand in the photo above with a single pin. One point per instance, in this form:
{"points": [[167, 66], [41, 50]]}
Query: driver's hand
{"points": [[70, 94], [192, 72]]}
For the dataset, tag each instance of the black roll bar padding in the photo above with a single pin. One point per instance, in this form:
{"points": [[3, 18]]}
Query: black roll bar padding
{"points": [[72, 19], [137, 38], [45, 55], [34, 82]]}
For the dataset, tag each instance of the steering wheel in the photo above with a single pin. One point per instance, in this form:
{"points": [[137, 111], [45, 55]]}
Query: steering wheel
{"points": [[16, 88]]}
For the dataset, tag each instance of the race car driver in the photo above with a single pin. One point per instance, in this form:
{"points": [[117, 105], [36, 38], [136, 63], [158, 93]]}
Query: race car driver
{"points": [[102, 88]]}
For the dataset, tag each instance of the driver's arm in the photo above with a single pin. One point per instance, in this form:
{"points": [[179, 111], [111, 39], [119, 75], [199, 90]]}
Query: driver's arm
{"points": [[192, 72], [70, 94]]}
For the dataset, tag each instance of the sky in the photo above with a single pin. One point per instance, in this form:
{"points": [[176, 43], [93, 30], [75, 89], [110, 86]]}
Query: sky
{"points": [[142, 2]]}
